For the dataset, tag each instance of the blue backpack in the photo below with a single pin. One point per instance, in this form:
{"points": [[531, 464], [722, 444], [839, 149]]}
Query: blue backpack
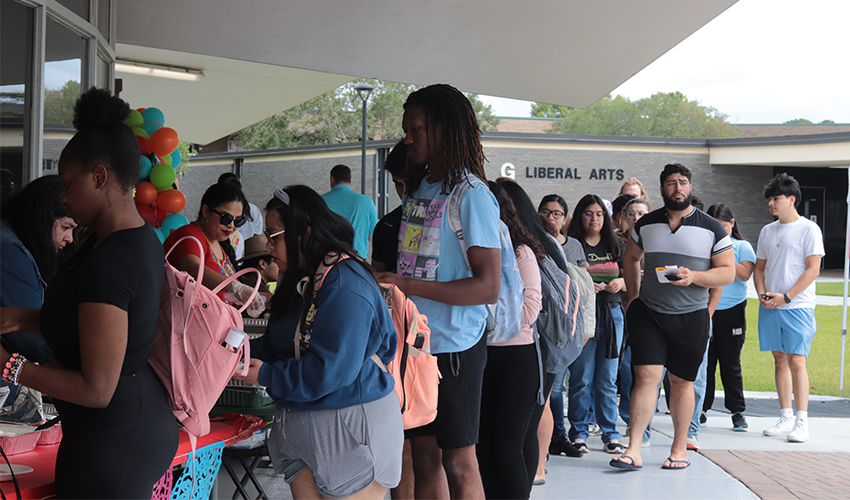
{"points": [[504, 319]]}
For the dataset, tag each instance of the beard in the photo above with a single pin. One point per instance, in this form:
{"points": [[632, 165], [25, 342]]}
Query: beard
{"points": [[676, 206]]}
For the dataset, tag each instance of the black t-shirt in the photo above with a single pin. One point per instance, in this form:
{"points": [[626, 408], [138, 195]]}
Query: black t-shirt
{"points": [[126, 271], [603, 264], [385, 239]]}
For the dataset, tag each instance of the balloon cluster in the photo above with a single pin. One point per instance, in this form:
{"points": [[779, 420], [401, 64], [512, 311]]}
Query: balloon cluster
{"points": [[157, 198]]}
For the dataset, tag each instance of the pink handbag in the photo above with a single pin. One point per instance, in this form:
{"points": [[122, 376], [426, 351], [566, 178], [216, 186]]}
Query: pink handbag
{"points": [[189, 353]]}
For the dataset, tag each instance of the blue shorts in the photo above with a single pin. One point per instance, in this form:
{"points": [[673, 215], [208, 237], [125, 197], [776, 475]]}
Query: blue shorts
{"points": [[788, 330]]}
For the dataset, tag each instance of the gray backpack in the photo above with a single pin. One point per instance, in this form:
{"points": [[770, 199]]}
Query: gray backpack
{"points": [[560, 326]]}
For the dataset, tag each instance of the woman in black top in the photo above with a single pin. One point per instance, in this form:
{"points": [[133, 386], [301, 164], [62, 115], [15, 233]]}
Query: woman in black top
{"points": [[99, 316]]}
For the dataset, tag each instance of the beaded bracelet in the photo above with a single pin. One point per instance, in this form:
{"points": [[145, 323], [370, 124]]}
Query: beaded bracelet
{"points": [[12, 371]]}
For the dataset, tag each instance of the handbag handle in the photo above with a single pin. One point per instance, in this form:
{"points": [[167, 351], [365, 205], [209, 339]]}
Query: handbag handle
{"points": [[233, 277]]}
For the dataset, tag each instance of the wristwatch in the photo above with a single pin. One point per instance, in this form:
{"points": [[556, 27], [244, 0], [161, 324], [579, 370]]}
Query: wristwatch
{"points": [[787, 298]]}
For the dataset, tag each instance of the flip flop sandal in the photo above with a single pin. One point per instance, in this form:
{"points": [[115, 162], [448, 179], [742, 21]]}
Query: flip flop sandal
{"points": [[670, 467], [622, 464]]}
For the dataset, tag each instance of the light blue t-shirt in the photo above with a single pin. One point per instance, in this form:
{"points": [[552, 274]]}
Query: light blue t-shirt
{"points": [[736, 292], [356, 208], [429, 250]]}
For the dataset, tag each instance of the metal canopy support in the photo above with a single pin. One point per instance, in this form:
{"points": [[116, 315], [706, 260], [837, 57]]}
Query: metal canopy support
{"points": [[846, 279]]}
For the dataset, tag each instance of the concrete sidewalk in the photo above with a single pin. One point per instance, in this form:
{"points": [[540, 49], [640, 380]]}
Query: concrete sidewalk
{"points": [[730, 465]]}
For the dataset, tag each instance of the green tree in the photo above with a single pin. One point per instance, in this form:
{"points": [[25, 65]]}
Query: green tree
{"points": [[59, 103], [827, 122], [664, 114], [801, 121], [334, 117]]}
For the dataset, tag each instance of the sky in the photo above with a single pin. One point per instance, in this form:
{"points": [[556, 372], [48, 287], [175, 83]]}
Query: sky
{"points": [[760, 61]]}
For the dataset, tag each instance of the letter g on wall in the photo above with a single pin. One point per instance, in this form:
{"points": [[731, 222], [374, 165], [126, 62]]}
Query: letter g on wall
{"points": [[508, 170]]}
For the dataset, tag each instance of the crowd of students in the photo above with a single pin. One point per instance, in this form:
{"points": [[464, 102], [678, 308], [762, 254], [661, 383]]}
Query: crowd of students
{"points": [[337, 430]]}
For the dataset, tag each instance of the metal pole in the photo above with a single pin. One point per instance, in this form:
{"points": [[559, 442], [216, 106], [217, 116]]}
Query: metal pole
{"points": [[846, 279], [363, 155]]}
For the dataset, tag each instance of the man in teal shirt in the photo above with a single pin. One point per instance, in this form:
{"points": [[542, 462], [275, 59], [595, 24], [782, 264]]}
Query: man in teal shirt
{"points": [[356, 208]]}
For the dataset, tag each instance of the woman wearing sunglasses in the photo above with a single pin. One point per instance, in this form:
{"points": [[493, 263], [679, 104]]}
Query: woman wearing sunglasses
{"points": [[223, 210]]}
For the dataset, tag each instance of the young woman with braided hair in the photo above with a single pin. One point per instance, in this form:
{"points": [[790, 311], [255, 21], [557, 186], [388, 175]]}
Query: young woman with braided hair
{"points": [[443, 151]]}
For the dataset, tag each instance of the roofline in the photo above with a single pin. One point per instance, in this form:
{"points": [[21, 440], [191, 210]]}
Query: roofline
{"points": [[790, 140]]}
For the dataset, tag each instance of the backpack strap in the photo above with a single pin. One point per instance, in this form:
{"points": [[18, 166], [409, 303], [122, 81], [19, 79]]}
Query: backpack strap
{"points": [[455, 199], [318, 278]]}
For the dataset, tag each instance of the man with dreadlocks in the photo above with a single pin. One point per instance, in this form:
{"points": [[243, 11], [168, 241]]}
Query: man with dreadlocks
{"points": [[443, 148]]}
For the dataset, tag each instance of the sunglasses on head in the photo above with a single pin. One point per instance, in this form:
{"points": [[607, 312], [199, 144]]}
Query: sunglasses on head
{"points": [[225, 218]]}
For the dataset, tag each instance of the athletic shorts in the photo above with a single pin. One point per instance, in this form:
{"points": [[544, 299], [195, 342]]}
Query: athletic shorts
{"points": [[677, 341], [787, 330], [346, 449], [459, 399]]}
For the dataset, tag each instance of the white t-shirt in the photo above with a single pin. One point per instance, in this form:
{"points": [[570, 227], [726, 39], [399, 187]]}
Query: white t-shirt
{"points": [[785, 248]]}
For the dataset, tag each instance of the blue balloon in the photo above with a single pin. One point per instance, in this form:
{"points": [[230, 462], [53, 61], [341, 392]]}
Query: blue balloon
{"points": [[176, 158], [159, 235], [145, 167], [153, 115], [151, 127], [172, 222]]}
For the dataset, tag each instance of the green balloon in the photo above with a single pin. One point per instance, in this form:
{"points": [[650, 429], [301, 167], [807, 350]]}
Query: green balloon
{"points": [[141, 132], [135, 120], [162, 175]]}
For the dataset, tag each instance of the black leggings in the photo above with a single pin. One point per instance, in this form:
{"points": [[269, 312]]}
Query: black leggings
{"points": [[119, 451], [531, 449], [508, 398]]}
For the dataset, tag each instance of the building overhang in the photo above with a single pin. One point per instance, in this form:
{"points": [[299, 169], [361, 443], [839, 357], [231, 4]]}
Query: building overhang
{"points": [[261, 57]]}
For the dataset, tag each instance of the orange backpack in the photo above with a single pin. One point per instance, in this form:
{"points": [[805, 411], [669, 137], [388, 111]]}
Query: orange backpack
{"points": [[414, 369]]}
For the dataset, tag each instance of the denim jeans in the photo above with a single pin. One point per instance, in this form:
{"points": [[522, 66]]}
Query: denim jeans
{"points": [[593, 383], [556, 402], [626, 380]]}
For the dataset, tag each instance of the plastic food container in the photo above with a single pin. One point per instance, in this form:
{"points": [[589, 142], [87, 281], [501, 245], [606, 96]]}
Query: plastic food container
{"points": [[662, 272], [16, 438]]}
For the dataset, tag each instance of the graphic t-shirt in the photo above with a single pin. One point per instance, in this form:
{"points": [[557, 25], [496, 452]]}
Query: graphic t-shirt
{"points": [[602, 264], [429, 250]]}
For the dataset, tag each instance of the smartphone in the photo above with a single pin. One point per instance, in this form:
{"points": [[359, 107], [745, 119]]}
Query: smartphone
{"points": [[765, 296], [672, 277]]}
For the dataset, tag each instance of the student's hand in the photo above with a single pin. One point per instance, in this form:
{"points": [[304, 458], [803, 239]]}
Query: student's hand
{"points": [[253, 376], [770, 300], [615, 285], [686, 275], [598, 287], [394, 279]]}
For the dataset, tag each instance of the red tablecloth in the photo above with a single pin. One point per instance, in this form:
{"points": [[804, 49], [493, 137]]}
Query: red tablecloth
{"points": [[230, 428]]}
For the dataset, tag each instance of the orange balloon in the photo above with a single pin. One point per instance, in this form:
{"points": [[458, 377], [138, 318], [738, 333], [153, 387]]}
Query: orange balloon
{"points": [[145, 193], [164, 141], [171, 201]]}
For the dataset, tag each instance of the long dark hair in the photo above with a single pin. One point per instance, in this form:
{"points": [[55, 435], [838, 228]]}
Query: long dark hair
{"points": [[329, 233], [220, 194], [532, 220], [102, 138], [722, 212], [31, 215], [448, 107], [576, 229], [519, 234]]}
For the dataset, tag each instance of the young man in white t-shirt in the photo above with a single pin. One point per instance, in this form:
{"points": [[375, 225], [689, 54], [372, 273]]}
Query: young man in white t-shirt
{"points": [[787, 263]]}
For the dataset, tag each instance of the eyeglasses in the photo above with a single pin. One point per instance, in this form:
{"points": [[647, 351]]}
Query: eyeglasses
{"points": [[590, 215], [271, 236], [225, 218], [555, 213]]}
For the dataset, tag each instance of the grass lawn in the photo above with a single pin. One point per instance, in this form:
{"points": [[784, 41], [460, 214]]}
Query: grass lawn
{"points": [[824, 358], [834, 289]]}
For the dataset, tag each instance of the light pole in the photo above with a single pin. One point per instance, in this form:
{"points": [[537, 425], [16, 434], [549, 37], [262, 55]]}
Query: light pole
{"points": [[364, 90]]}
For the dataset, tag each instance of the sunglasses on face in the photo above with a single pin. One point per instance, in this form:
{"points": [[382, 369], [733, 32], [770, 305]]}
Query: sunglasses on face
{"points": [[555, 213], [225, 218], [271, 236]]}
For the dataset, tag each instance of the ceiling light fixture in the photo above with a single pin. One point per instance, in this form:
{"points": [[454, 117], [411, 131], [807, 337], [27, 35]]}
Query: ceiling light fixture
{"points": [[158, 70]]}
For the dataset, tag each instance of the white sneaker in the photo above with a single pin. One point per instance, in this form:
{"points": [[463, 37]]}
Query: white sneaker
{"points": [[594, 429], [782, 428], [693, 443], [800, 434]]}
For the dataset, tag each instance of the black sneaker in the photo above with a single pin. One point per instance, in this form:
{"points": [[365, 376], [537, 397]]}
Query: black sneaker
{"points": [[562, 446], [581, 446], [703, 418], [739, 423]]}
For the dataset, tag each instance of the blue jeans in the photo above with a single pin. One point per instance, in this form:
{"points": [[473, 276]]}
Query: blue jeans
{"points": [[556, 402], [625, 384], [593, 383]]}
